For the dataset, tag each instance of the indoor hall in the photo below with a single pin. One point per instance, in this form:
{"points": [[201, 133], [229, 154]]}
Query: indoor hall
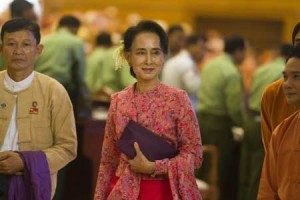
{"points": [[264, 25]]}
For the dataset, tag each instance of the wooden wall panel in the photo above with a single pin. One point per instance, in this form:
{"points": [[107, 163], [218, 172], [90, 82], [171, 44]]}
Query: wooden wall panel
{"points": [[176, 11]]}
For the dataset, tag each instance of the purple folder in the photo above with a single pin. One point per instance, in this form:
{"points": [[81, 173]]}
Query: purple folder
{"points": [[152, 146]]}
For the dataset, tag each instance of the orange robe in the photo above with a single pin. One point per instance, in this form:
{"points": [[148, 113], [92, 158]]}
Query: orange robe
{"points": [[280, 176], [274, 109]]}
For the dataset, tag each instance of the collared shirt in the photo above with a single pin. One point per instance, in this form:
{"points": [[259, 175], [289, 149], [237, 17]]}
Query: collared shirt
{"points": [[221, 89], [11, 138]]}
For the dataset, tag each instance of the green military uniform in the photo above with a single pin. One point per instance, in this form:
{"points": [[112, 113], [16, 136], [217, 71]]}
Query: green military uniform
{"points": [[100, 71], [252, 154], [63, 58], [61, 50], [220, 105]]}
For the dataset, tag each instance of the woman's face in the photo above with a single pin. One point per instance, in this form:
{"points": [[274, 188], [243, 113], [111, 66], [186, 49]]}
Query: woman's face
{"points": [[146, 57]]}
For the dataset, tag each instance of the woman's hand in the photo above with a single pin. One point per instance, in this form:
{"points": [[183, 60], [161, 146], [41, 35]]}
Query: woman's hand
{"points": [[140, 164]]}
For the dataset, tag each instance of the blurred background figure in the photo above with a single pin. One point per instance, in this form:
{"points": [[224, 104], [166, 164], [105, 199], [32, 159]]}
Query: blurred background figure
{"points": [[23, 8], [267, 74], [214, 44], [176, 36], [100, 58], [63, 58], [220, 109], [102, 78], [252, 151], [181, 70]]}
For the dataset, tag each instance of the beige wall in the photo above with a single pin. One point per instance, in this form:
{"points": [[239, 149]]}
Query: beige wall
{"points": [[175, 11]]}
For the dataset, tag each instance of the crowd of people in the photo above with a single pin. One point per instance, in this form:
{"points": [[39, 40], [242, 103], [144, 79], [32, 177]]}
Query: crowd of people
{"points": [[185, 89]]}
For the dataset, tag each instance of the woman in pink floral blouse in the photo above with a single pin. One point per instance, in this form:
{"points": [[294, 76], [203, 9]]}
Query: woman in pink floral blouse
{"points": [[164, 110]]}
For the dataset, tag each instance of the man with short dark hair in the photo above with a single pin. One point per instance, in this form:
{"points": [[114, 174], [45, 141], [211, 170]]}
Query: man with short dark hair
{"points": [[37, 127], [20, 8]]}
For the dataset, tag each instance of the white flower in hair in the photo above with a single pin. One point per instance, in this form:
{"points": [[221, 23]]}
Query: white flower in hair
{"points": [[119, 56]]}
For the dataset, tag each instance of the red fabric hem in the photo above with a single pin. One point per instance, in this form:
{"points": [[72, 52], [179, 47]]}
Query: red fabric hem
{"points": [[151, 189]]}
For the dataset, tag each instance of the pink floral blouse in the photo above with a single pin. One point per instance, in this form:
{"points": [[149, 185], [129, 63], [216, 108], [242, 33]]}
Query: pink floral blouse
{"points": [[166, 111]]}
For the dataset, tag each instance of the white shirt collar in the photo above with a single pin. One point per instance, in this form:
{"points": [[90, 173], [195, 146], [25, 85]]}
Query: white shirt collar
{"points": [[14, 86]]}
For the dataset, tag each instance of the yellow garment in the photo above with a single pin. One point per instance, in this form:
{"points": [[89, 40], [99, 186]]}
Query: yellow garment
{"points": [[274, 109], [281, 170], [45, 121]]}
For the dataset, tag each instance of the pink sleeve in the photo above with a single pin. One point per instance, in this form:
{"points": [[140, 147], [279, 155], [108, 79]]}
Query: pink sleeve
{"points": [[109, 158]]}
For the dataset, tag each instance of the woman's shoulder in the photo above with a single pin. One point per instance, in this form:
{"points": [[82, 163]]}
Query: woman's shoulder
{"points": [[123, 94]]}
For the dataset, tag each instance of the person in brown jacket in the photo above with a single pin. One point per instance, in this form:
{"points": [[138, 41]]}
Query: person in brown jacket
{"points": [[36, 113]]}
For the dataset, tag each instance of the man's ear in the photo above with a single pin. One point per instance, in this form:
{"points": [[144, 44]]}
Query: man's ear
{"points": [[40, 48]]}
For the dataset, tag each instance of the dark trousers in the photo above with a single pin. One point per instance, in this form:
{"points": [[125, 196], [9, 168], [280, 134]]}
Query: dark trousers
{"points": [[216, 130], [252, 157], [3, 187]]}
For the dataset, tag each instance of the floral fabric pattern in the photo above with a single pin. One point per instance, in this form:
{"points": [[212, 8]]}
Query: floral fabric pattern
{"points": [[167, 112]]}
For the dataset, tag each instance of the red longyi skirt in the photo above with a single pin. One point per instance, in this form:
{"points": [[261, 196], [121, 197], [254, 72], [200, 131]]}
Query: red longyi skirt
{"points": [[152, 189]]}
